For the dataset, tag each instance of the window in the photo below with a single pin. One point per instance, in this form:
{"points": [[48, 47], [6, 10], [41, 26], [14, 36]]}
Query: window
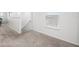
{"points": [[52, 19]]}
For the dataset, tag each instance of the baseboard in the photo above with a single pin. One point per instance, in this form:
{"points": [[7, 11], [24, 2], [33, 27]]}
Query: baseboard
{"points": [[56, 37]]}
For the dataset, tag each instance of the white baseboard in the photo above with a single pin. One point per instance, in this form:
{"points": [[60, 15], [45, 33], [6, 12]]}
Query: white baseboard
{"points": [[56, 37]]}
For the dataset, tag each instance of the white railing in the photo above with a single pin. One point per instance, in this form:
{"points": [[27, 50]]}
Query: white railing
{"points": [[17, 20]]}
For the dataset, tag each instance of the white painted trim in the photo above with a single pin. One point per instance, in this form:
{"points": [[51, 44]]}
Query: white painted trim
{"points": [[53, 27], [55, 37]]}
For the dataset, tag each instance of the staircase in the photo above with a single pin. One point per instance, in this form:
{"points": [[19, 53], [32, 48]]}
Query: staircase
{"points": [[18, 20]]}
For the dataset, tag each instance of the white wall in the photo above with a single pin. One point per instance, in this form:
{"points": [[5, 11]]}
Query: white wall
{"points": [[78, 28], [27, 21], [26, 17], [67, 24]]}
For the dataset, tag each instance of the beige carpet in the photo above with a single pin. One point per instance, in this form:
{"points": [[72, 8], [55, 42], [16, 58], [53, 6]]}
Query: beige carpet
{"points": [[9, 38]]}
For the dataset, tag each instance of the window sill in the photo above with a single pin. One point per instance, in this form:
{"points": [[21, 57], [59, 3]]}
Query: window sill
{"points": [[53, 27]]}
